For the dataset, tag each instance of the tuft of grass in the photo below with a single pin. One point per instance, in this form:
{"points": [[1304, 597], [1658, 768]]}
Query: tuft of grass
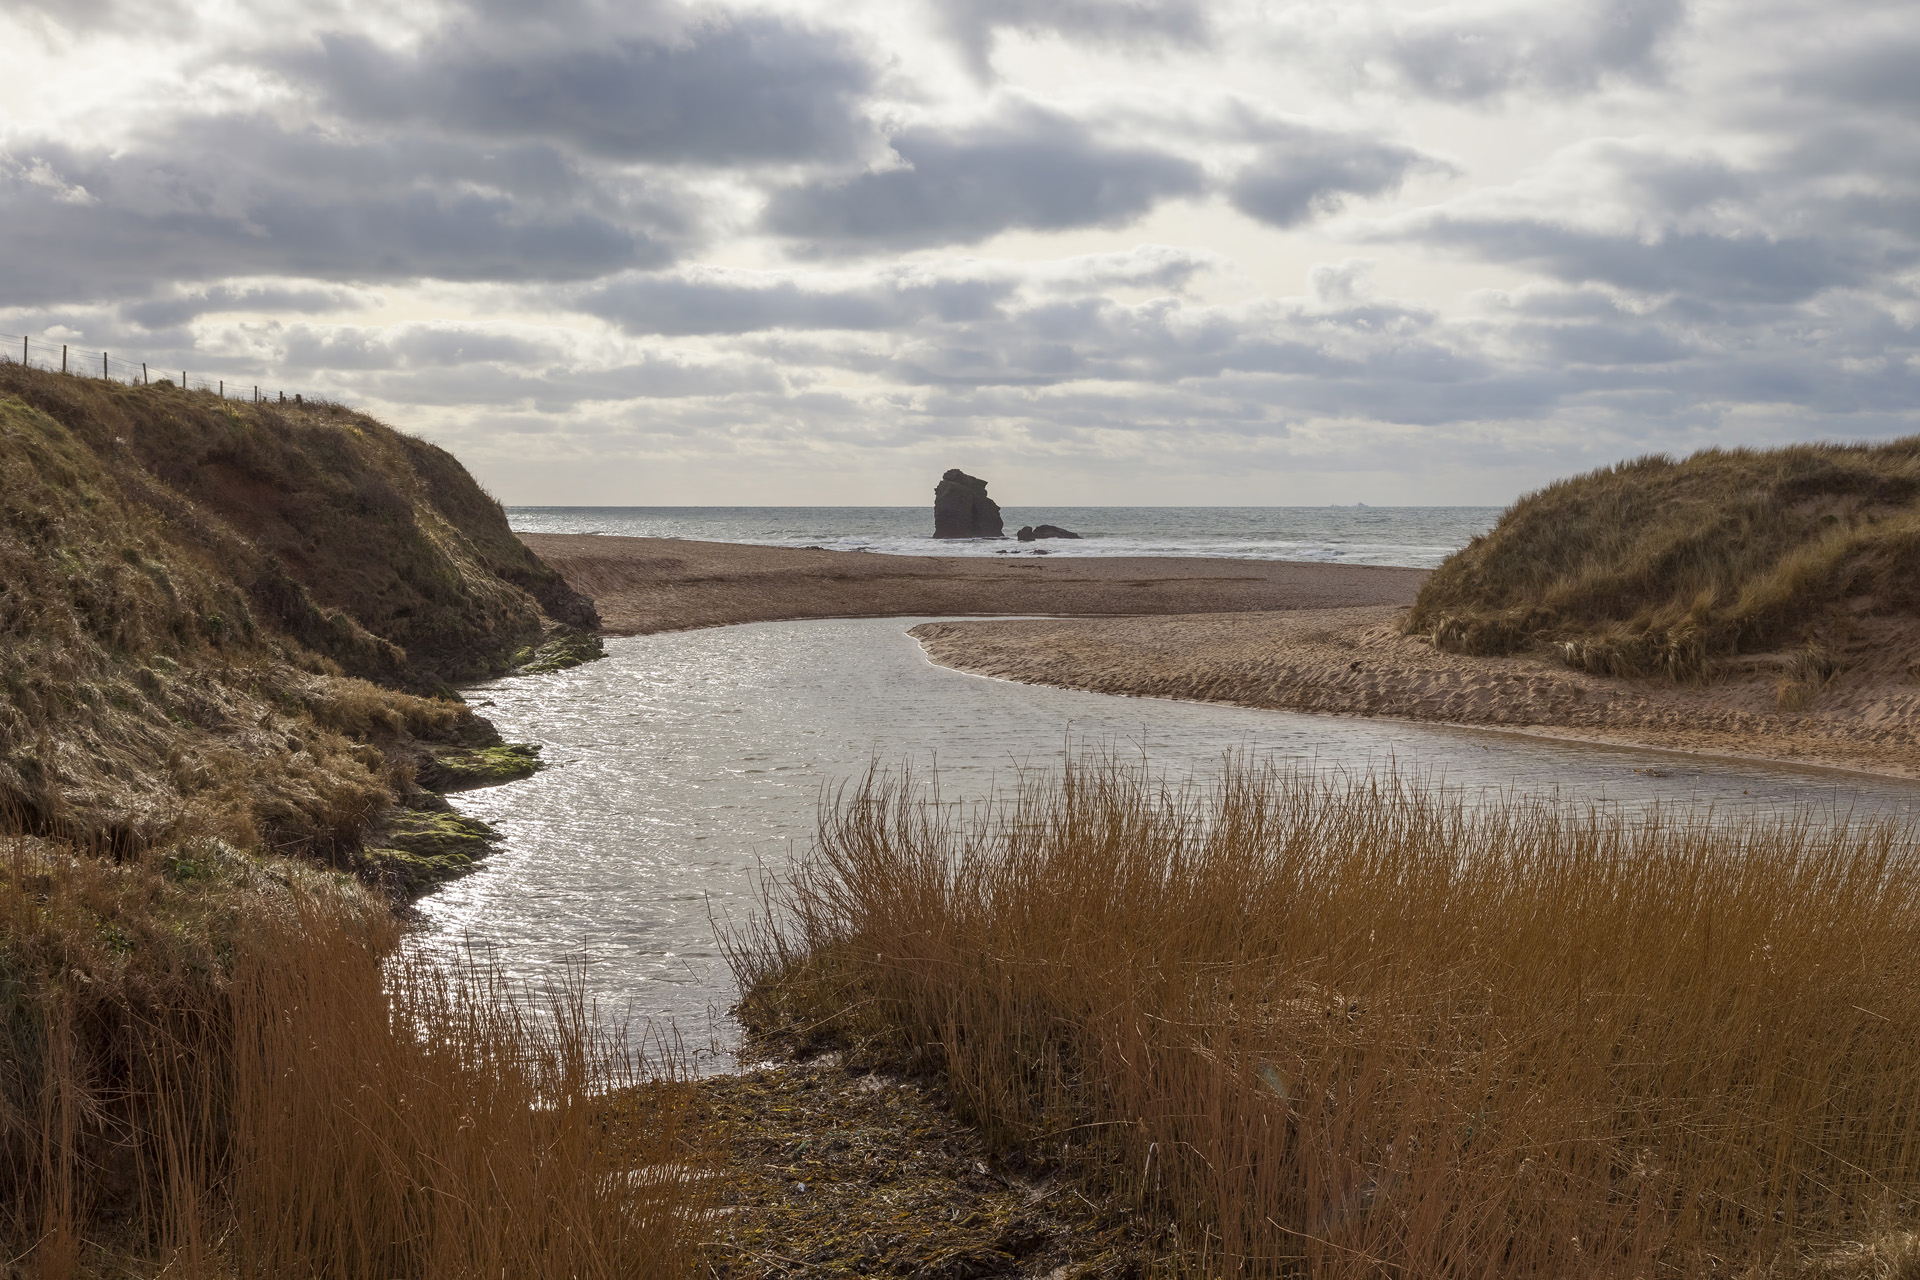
{"points": [[1658, 567], [1809, 670], [1354, 1027]]}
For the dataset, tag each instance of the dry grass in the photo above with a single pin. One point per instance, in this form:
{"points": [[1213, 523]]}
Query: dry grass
{"points": [[1657, 567], [1356, 1028], [212, 1066]]}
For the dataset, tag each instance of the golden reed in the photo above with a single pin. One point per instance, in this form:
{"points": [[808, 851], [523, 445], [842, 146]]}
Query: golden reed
{"points": [[1357, 1027], [228, 1071]]}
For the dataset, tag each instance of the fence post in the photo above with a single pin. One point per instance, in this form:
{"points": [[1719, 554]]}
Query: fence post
{"points": [[223, 388], [104, 376], [144, 381], [63, 357], [23, 352]]}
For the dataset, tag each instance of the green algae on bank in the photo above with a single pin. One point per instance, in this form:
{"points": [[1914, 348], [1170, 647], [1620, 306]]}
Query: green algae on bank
{"points": [[466, 768], [565, 649], [420, 849]]}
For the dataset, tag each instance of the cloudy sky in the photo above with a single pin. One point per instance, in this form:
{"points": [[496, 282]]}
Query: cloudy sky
{"points": [[1128, 251]]}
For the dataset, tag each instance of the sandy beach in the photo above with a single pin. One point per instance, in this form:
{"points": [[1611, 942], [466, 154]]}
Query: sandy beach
{"points": [[1275, 634], [644, 585], [1355, 661]]}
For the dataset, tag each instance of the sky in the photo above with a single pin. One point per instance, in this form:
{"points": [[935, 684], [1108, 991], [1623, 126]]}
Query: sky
{"points": [[1096, 251]]}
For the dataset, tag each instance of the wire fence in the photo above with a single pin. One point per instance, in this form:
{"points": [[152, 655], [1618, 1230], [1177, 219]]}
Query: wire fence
{"points": [[59, 357]]}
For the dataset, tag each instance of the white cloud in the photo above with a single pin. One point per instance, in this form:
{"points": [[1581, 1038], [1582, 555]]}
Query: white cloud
{"points": [[1183, 250]]}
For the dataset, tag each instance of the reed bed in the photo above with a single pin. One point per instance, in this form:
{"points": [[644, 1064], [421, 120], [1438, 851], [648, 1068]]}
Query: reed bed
{"points": [[1345, 1027], [227, 1072]]}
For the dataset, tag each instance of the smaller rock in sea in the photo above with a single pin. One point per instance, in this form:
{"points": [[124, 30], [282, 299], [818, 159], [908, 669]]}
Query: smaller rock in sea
{"points": [[1029, 533]]}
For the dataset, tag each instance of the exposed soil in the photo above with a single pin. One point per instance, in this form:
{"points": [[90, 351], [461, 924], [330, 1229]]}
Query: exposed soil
{"points": [[835, 1167]]}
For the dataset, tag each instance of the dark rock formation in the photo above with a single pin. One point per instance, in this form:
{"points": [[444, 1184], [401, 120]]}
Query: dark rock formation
{"points": [[1029, 532], [962, 509]]}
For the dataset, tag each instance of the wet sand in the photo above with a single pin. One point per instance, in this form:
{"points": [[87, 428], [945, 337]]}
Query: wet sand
{"points": [[1357, 662], [644, 585]]}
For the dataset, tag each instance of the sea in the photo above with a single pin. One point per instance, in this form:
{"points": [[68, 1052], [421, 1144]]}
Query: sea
{"points": [[1417, 537]]}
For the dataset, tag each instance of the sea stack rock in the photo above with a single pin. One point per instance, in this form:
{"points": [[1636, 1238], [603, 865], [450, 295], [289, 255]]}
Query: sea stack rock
{"points": [[962, 509], [1028, 532]]}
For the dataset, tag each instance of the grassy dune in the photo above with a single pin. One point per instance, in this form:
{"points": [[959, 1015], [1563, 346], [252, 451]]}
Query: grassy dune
{"points": [[1658, 567], [241, 618], [1352, 1028]]}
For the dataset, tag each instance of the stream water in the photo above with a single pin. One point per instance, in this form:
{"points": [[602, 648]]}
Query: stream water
{"points": [[683, 762]]}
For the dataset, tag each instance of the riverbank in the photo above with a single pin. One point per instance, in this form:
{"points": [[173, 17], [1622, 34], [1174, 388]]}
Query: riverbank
{"points": [[1356, 661], [645, 585]]}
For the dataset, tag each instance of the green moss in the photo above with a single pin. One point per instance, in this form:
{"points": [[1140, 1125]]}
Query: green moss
{"points": [[566, 649], [419, 850], [460, 770], [408, 875]]}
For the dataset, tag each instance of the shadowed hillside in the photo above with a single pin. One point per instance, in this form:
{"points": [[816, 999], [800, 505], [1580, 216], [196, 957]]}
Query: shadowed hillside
{"points": [[245, 615], [1658, 567]]}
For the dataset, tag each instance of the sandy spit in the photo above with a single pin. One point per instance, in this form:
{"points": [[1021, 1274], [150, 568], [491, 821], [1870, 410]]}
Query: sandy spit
{"points": [[1355, 661], [643, 585]]}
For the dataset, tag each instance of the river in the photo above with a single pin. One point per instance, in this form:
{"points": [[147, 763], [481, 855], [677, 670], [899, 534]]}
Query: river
{"points": [[684, 762]]}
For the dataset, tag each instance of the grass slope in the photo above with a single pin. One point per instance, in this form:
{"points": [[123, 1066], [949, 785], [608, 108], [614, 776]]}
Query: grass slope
{"points": [[1667, 567], [241, 619], [227, 633]]}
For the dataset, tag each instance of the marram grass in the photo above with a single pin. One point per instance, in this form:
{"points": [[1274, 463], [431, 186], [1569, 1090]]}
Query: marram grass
{"points": [[1664, 567]]}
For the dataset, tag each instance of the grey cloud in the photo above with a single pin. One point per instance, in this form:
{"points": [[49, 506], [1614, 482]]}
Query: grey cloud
{"points": [[564, 387], [228, 197], [755, 90], [405, 347], [1612, 344], [88, 16], [1146, 267], [1884, 73], [1302, 172], [171, 310], [1738, 268], [972, 23], [678, 305], [1035, 171], [737, 303], [1559, 48]]}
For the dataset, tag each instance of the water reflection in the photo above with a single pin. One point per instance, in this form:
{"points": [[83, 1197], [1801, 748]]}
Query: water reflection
{"points": [[682, 760]]}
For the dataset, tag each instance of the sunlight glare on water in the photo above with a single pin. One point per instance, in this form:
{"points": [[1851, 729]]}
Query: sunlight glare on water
{"points": [[682, 760]]}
